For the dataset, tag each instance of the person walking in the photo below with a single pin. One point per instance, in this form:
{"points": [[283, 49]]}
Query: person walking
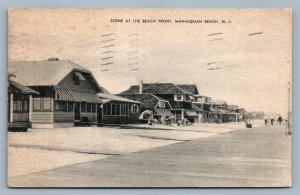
{"points": [[279, 120], [266, 122], [272, 121]]}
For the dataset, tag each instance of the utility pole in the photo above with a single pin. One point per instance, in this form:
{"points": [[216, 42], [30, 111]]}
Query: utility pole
{"points": [[288, 131]]}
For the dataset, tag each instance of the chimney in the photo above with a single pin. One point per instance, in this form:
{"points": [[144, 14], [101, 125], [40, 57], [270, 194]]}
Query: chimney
{"points": [[141, 87]]}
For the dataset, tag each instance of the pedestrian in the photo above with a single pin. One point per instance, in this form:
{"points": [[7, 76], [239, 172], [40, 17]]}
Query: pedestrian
{"points": [[272, 121], [248, 123], [266, 121], [279, 120]]}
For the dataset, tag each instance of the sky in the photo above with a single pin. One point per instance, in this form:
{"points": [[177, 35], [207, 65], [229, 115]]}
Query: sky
{"points": [[245, 61]]}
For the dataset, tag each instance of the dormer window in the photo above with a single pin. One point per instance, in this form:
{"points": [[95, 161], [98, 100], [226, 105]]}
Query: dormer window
{"points": [[78, 77], [161, 104], [178, 97]]}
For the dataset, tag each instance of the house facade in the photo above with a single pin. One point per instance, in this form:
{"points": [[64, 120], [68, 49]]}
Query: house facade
{"points": [[67, 92], [180, 100], [220, 110], [203, 103], [118, 110]]}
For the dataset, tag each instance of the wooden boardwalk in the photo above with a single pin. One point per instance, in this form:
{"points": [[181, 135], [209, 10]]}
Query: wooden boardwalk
{"points": [[259, 157]]}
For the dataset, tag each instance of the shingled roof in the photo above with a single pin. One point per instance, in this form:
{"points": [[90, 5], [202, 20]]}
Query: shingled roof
{"points": [[115, 98], [148, 100], [15, 87], [44, 73], [156, 88], [190, 88]]}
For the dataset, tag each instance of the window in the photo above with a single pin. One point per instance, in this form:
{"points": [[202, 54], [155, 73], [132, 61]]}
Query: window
{"points": [[78, 77], [70, 106], [88, 107], [37, 104], [178, 97], [199, 99], [57, 105], [64, 106], [83, 107], [134, 109], [43, 104], [113, 109], [17, 106], [118, 109], [47, 104], [108, 109], [93, 108], [124, 110], [105, 109], [161, 104]]}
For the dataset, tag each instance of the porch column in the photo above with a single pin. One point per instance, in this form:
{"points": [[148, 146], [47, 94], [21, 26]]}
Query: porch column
{"points": [[11, 107], [30, 108], [96, 105], [182, 114]]}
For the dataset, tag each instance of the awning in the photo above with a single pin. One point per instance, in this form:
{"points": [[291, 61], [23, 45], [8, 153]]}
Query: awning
{"points": [[76, 96], [163, 112], [191, 113]]}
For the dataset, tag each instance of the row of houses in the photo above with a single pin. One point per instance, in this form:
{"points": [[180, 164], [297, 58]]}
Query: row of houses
{"points": [[183, 102], [59, 93]]}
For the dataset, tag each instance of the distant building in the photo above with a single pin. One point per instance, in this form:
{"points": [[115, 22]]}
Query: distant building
{"points": [[220, 110], [258, 115], [203, 103], [234, 116]]}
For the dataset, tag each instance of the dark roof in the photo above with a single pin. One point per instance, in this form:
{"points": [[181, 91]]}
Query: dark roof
{"points": [[156, 88], [45, 73], [15, 87], [115, 98], [190, 88], [148, 101]]}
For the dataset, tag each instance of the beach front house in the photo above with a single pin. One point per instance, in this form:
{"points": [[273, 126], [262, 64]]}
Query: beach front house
{"points": [[159, 106], [220, 109], [118, 110], [180, 100], [67, 92], [203, 103]]}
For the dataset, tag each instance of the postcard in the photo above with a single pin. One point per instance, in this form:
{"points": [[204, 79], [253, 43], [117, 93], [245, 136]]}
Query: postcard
{"points": [[149, 98]]}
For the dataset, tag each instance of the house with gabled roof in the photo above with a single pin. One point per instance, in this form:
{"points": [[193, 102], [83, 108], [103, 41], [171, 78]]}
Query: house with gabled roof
{"points": [[203, 103], [67, 92], [221, 108], [180, 99]]}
